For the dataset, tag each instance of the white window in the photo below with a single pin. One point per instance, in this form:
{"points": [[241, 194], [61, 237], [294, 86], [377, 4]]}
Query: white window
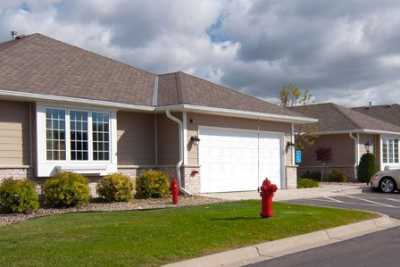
{"points": [[79, 135], [390, 151], [75, 139], [101, 135], [55, 134]]}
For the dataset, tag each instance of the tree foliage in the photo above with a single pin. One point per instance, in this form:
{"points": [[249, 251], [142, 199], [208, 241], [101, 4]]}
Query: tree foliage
{"points": [[291, 95], [367, 167]]}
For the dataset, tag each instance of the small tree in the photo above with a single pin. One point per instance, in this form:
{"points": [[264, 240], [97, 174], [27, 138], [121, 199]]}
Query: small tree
{"points": [[290, 95], [324, 155], [367, 167]]}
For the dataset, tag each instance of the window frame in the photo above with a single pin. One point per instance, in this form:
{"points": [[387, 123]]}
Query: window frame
{"points": [[47, 167], [389, 147]]}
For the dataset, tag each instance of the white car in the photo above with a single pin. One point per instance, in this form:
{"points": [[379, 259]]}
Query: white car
{"points": [[386, 181]]}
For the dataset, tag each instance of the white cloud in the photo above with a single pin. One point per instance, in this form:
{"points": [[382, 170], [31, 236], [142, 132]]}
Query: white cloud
{"points": [[344, 52]]}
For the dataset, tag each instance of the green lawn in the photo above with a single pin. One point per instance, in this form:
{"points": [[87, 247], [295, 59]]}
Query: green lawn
{"points": [[143, 238]]}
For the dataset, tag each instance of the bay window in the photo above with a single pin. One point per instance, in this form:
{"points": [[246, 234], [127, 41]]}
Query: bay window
{"points": [[75, 139], [390, 151]]}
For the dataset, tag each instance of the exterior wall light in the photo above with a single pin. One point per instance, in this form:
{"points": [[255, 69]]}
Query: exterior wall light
{"points": [[368, 146], [195, 140]]}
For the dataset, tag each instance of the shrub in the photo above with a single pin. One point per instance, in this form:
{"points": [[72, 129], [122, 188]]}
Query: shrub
{"points": [[115, 187], [337, 176], [367, 167], [152, 184], [66, 189], [307, 183], [18, 196], [315, 175]]}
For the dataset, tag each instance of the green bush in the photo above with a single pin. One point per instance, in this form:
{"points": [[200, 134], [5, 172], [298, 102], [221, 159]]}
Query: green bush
{"points": [[315, 175], [152, 184], [115, 187], [337, 176], [66, 189], [367, 167], [307, 183], [18, 196]]}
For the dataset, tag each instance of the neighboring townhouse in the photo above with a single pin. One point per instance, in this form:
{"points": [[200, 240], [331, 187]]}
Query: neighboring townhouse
{"points": [[348, 134], [63, 108]]}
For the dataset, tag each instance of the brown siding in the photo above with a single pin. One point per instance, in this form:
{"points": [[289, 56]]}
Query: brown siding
{"points": [[14, 133], [195, 120], [168, 144], [135, 138]]}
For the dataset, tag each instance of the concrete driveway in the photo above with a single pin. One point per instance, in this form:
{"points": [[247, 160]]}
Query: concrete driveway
{"points": [[325, 190]]}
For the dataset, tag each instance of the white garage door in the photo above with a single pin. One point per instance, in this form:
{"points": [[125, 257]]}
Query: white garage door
{"points": [[238, 160]]}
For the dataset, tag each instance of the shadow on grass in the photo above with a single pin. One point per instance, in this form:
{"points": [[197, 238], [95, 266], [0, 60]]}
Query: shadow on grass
{"points": [[238, 218]]}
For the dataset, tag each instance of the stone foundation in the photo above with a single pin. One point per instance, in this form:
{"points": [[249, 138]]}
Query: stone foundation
{"points": [[291, 177], [15, 172], [192, 179]]}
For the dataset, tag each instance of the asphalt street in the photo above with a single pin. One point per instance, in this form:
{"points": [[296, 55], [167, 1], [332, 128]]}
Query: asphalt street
{"points": [[376, 249]]}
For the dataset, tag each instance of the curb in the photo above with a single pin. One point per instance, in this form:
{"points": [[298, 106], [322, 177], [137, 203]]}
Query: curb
{"points": [[281, 247]]}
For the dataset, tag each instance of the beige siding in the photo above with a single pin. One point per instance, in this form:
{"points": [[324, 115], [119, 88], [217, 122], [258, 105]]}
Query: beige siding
{"points": [[168, 142], [14, 133], [135, 138], [195, 120]]}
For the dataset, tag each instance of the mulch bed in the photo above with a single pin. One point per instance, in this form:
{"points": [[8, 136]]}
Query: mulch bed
{"points": [[136, 204]]}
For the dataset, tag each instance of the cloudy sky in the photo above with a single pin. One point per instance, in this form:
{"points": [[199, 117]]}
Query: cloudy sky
{"points": [[345, 51]]}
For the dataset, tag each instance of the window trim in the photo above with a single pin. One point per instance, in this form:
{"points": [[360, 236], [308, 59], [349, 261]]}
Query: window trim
{"points": [[386, 141], [49, 167]]}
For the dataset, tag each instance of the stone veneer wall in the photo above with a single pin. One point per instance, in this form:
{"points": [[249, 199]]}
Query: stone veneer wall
{"points": [[291, 177], [16, 173]]}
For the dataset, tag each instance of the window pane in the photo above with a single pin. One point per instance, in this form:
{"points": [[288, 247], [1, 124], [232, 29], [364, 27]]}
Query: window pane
{"points": [[55, 134], [396, 150], [79, 135], [101, 133], [385, 151]]}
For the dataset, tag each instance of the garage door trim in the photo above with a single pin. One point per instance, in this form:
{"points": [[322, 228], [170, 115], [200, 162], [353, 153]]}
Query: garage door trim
{"points": [[280, 135]]}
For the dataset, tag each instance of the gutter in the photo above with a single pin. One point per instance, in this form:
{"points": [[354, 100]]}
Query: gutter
{"points": [[181, 151], [356, 155]]}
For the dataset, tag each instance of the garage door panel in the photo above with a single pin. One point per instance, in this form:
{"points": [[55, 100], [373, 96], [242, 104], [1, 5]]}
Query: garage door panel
{"points": [[236, 160]]}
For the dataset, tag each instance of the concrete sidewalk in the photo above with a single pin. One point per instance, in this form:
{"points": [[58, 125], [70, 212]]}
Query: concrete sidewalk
{"points": [[278, 248], [325, 190]]}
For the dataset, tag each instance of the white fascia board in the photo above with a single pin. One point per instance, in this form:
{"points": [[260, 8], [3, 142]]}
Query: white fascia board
{"points": [[67, 99], [238, 113], [366, 131]]}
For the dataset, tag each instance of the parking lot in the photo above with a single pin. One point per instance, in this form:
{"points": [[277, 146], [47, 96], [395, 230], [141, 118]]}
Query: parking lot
{"points": [[375, 249], [379, 202]]}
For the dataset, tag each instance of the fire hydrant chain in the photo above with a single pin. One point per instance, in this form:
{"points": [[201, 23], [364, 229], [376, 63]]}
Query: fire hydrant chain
{"points": [[267, 191]]}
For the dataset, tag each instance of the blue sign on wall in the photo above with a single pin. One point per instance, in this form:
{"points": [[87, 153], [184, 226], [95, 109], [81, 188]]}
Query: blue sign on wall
{"points": [[298, 156]]}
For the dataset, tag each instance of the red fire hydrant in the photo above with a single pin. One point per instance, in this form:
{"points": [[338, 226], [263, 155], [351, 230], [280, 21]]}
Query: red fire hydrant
{"points": [[174, 191], [267, 192]]}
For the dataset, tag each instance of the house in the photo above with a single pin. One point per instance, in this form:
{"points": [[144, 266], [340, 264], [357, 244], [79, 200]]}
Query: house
{"points": [[63, 108], [348, 134]]}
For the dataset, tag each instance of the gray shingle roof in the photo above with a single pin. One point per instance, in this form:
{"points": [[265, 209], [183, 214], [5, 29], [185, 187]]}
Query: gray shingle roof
{"points": [[335, 118], [388, 113], [182, 88], [42, 65], [39, 64]]}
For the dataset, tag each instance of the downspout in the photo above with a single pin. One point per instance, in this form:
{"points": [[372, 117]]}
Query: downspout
{"points": [[356, 156], [181, 151]]}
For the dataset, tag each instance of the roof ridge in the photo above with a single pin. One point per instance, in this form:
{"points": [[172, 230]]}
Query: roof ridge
{"points": [[88, 52], [340, 110], [365, 115]]}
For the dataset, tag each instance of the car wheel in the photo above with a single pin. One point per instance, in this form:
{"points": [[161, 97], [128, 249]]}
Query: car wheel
{"points": [[387, 185]]}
